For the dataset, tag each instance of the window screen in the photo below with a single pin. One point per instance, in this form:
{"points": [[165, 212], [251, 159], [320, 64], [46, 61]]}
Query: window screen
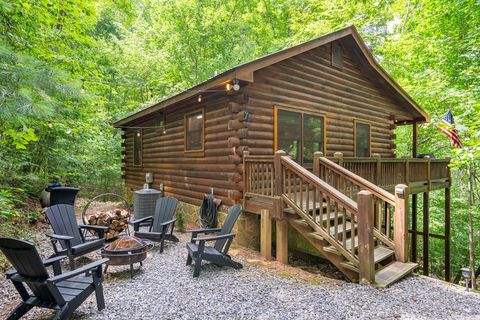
{"points": [[300, 135], [194, 131], [362, 139]]}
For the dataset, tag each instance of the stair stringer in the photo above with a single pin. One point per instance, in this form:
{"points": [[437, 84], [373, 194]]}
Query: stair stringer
{"points": [[320, 245]]}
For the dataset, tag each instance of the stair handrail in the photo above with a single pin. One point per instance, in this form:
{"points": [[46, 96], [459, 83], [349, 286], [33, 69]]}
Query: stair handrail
{"points": [[361, 182], [342, 199]]}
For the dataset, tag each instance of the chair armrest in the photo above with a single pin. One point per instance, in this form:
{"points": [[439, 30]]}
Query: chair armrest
{"points": [[204, 231], [141, 220], [73, 273], [100, 229], [166, 223], [92, 226], [55, 263], [213, 238], [59, 237], [10, 273], [49, 262]]}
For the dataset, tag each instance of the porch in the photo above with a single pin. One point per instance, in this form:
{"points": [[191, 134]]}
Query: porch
{"points": [[323, 204]]}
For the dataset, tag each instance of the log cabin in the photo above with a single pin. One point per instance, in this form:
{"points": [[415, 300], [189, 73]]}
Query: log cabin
{"points": [[304, 138]]}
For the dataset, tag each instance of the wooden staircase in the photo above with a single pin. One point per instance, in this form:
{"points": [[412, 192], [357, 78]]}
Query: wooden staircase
{"points": [[387, 270], [364, 234]]}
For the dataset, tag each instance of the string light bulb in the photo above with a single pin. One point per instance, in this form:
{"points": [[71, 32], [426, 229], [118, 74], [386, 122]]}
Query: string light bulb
{"points": [[199, 98]]}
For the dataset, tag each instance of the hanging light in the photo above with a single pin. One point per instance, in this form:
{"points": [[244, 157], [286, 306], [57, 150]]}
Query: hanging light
{"points": [[228, 86], [199, 98]]}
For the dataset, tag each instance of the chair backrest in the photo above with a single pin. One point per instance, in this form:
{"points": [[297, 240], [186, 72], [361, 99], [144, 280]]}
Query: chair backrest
{"points": [[63, 222], [232, 216], [63, 195], [164, 211], [25, 259]]}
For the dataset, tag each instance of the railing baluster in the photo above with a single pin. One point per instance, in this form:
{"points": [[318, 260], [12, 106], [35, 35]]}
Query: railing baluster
{"points": [[329, 211], [335, 217]]}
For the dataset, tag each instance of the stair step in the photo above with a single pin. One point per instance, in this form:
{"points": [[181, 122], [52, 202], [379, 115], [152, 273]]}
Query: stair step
{"points": [[381, 253], [348, 228], [315, 235], [392, 273], [349, 265], [300, 222], [291, 211], [332, 249]]}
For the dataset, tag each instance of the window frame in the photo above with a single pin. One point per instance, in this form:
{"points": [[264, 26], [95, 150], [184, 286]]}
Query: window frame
{"points": [[355, 121], [140, 139], [194, 152], [302, 141]]}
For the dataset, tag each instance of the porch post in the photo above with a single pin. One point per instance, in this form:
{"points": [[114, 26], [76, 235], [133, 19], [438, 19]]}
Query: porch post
{"points": [[366, 246], [265, 234], [400, 221], [414, 196], [282, 223]]}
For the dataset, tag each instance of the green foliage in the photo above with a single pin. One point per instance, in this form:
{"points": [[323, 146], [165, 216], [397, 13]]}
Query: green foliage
{"points": [[129, 54]]}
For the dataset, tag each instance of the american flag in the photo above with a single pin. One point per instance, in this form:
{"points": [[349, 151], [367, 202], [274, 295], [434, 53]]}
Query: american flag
{"points": [[447, 126]]}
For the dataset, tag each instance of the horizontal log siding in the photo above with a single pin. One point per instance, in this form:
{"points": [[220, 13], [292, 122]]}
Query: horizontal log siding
{"points": [[308, 82], [188, 177]]}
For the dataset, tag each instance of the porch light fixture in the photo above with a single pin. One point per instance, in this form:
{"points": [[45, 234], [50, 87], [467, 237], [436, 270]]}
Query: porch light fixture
{"points": [[228, 86], [199, 98], [200, 116], [466, 273], [236, 85]]}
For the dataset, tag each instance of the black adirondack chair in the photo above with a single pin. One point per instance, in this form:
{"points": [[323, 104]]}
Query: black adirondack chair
{"points": [[160, 225], [66, 232], [63, 292], [218, 253]]}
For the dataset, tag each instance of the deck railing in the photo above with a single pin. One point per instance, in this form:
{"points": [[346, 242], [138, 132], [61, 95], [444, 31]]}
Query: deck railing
{"points": [[259, 175], [351, 184], [306, 193], [388, 172]]}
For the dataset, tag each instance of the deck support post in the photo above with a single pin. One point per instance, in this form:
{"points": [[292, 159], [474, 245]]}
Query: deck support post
{"points": [[426, 267], [400, 220], [366, 246], [447, 234], [278, 184], [265, 234], [414, 228], [282, 241]]}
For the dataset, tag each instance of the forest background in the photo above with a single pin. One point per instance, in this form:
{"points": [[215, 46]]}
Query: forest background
{"points": [[68, 69]]}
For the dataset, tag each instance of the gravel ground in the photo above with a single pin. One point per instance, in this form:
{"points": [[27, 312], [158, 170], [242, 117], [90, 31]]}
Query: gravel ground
{"points": [[164, 289]]}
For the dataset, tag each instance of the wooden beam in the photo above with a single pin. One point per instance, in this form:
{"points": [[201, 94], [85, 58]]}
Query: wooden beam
{"points": [[366, 247], [282, 241], [400, 221], [414, 228], [447, 235], [265, 234], [426, 267], [414, 139]]}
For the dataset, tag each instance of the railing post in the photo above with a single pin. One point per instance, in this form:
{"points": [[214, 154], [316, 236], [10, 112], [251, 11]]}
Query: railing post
{"points": [[246, 186], [339, 157], [278, 172], [400, 223], [316, 163], [365, 237], [378, 167]]}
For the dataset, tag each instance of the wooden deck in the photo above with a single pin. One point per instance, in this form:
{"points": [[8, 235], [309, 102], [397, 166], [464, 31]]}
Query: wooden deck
{"points": [[421, 175]]}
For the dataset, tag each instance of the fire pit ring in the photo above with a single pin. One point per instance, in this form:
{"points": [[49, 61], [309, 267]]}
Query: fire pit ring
{"points": [[126, 251]]}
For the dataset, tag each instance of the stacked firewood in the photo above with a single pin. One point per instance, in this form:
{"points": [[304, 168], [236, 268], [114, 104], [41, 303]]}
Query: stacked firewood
{"points": [[116, 221]]}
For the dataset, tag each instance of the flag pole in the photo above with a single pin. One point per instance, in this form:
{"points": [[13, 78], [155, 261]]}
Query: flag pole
{"points": [[471, 242]]}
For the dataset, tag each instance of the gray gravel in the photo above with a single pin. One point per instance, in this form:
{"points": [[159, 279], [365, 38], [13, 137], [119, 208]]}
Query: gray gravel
{"points": [[164, 289]]}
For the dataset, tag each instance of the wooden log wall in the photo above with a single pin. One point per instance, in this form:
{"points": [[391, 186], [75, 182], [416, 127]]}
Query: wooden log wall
{"points": [[189, 176], [308, 82]]}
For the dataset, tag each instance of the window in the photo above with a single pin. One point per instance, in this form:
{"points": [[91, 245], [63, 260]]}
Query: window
{"points": [[362, 139], [194, 123], [299, 134], [137, 147], [337, 55]]}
